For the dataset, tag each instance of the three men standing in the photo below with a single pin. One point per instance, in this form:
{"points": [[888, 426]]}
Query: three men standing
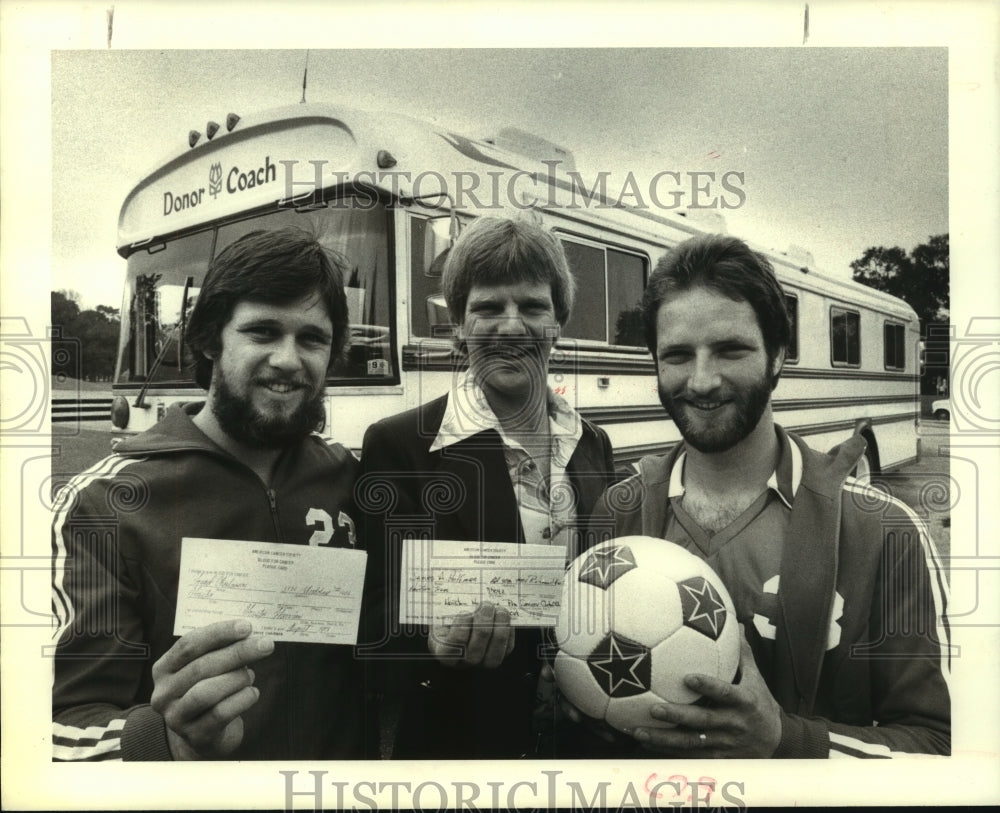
{"points": [[837, 587]]}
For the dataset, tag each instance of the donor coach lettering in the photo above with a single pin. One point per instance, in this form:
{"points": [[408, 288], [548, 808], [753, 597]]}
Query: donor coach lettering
{"points": [[237, 180], [178, 203]]}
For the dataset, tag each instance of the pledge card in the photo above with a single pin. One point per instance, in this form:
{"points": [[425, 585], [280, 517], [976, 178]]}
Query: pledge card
{"points": [[443, 578], [295, 593]]}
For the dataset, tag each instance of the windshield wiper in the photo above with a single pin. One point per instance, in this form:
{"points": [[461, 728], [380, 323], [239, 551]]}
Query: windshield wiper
{"points": [[176, 336]]}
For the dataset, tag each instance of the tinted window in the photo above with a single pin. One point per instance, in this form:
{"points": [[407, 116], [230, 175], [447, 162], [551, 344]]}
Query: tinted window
{"points": [[589, 319], [895, 347], [845, 337], [626, 280], [792, 306], [609, 285]]}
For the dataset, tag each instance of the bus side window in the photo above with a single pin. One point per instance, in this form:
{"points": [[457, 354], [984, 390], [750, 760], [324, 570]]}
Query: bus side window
{"points": [[429, 246], [895, 346], [438, 318], [609, 285], [792, 306], [589, 318], [845, 337], [626, 281]]}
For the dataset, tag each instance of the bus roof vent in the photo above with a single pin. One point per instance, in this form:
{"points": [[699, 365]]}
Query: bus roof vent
{"points": [[802, 257], [706, 219], [533, 146]]}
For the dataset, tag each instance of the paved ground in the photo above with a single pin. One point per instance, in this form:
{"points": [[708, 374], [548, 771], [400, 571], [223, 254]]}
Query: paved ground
{"points": [[924, 485]]}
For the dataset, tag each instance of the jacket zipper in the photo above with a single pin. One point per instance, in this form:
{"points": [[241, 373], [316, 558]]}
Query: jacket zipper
{"points": [[271, 496], [273, 501]]}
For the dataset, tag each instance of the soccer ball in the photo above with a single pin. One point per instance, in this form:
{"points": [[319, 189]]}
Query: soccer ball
{"points": [[637, 615]]}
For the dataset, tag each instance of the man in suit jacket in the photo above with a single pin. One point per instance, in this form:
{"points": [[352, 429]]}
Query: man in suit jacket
{"points": [[500, 458]]}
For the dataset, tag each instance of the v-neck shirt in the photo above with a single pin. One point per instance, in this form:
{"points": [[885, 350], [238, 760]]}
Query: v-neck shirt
{"points": [[747, 552]]}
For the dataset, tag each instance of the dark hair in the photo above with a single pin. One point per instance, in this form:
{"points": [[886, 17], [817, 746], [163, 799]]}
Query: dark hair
{"points": [[280, 266], [495, 251], [725, 264]]}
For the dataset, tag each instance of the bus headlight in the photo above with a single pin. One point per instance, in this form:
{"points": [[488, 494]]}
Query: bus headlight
{"points": [[119, 412]]}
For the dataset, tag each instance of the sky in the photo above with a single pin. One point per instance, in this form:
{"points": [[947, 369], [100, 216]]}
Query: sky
{"points": [[841, 148]]}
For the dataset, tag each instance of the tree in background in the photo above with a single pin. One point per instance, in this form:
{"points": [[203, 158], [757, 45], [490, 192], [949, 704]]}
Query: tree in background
{"points": [[920, 278], [65, 308], [95, 330]]}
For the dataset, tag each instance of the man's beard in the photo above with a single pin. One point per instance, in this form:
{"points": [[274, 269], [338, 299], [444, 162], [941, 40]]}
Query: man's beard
{"points": [[746, 408], [244, 423]]}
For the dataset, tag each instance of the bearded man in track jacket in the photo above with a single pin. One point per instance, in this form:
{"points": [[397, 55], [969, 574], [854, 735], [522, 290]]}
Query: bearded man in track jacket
{"points": [[245, 465], [838, 586]]}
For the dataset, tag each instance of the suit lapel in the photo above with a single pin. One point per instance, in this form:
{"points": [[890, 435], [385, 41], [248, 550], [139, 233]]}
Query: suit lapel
{"points": [[489, 511], [587, 474]]}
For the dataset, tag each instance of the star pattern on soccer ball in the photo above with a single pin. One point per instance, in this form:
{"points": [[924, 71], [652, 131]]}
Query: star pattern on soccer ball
{"points": [[708, 606], [620, 665], [602, 567]]}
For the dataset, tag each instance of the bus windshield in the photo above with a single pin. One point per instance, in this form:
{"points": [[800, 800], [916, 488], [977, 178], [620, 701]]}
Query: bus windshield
{"points": [[164, 279]]}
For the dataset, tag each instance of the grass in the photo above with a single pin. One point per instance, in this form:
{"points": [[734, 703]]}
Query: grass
{"points": [[74, 453], [64, 386]]}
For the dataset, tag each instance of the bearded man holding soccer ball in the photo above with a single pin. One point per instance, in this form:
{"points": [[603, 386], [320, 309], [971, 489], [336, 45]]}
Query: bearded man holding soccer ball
{"points": [[841, 654]]}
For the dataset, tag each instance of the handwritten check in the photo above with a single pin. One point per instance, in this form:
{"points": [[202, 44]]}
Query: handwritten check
{"points": [[443, 578], [288, 592]]}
